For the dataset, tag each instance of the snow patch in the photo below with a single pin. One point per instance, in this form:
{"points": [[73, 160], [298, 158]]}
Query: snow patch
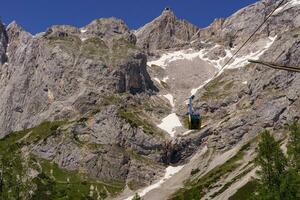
{"points": [[170, 98], [245, 82], [295, 2], [189, 54], [165, 79], [242, 61], [288, 5], [187, 132], [83, 30], [157, 80], [169, 123], [38, 34], [170, 171]]}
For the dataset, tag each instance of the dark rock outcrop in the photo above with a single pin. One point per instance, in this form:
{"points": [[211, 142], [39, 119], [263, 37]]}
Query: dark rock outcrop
{"points": [[3, 43]]}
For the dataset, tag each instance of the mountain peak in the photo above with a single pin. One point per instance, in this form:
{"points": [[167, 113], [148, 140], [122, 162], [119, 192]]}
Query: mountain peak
{"points": [[14, 26], [164, 32], [167, 12]]}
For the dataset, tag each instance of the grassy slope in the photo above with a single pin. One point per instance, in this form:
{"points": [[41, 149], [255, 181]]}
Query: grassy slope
{"points": [[246, 192], [50, 181], [194, 190]]}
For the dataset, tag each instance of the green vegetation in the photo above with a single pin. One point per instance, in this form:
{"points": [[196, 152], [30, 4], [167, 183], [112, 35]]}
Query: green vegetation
{"points": [[217, 88], [246, 192], [227, 185], [294, 147], [94, 146], [111, 100], [120, 50], [95, 48], [137, 197], [135, 120], [133, 185], [133, 113], [194, 190], [70, 44], [138, 157], [57, 183], [165, 85], [120, 47], [186, 122], [272, 162], [14, 164], [279, 175], [24, 176], [18, 139], [43, 131]]}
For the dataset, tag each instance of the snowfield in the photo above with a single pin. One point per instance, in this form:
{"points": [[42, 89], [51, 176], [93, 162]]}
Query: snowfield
{"points": [[287, 6], [237, 62], [172, 121], [243, 60], [170, 171], [169, 123], [189, 54]]}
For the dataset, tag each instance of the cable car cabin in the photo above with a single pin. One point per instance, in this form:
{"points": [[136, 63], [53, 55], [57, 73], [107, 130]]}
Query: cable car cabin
{"points": [[194, 122], [194, 118]]}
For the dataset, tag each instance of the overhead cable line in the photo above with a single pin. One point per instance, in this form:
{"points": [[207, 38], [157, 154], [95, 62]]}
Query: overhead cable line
{"points": [[257, 29]]}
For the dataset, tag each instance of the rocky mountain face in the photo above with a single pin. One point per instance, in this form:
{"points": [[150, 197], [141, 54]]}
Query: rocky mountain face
{"points": [[47, 74], [235, 29], [165, 32], [80, 99], [238, 103], [103, 108]]}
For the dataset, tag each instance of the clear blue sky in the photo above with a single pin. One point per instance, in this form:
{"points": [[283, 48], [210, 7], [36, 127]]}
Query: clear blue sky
{"points": [[36, 15]]}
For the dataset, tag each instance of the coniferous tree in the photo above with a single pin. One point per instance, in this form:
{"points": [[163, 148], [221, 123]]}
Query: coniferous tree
{"points": [[294, 147], [137, 197], [289, 185], [273, 165], [279, 177]]}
